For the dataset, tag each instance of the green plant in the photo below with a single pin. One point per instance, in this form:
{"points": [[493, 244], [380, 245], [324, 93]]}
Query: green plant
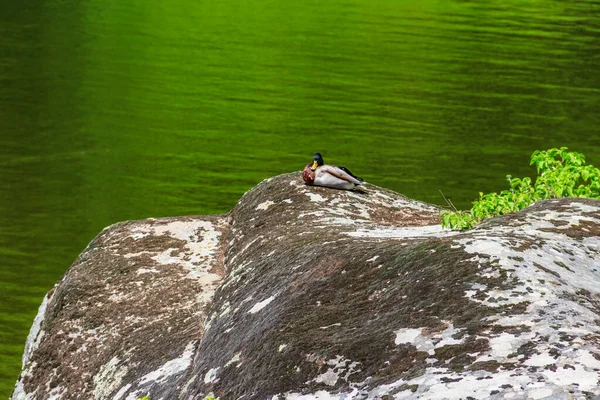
{"points": [[560, 174], [211, 396], [147, 397]]}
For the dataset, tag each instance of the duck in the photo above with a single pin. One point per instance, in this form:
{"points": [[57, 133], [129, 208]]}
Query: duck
{"points": [[319, 174]]}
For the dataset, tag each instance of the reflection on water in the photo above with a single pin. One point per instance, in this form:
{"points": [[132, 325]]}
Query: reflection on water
{"points": [[115, 110]]}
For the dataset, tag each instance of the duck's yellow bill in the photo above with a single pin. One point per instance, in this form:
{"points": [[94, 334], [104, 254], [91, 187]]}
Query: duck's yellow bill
{"points": [[314, 166]]}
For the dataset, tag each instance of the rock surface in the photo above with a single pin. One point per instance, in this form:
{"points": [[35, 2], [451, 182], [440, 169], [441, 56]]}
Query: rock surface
{"points": [[126, 318], [327, 294]]}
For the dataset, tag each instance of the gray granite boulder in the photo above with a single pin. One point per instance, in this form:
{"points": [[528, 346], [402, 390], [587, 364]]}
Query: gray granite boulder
{"points": [[307, 292], [126, 318]]}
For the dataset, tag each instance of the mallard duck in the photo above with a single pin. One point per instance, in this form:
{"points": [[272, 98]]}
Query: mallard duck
{"points": [[317, 173]]}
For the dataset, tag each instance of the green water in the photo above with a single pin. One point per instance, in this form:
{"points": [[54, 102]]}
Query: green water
{"points": [[115, 110]]}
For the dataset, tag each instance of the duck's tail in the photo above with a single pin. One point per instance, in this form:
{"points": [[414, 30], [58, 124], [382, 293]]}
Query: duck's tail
{"points": [[361, 180]]}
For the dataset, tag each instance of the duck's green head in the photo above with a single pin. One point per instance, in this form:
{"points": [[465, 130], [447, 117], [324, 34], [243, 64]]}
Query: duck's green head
{"points": [[317, 161]]}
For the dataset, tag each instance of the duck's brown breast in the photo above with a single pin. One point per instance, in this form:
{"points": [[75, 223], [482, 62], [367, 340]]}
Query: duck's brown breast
{"points": [[308, 175]]}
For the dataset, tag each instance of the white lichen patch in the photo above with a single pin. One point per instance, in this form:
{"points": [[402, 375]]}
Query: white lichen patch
{"points": [[222, 312], [589, 359], [199, 252], [402, 233], [315, 197], [260, 305], [406, 335], [329, 377], [331, 326], [327, 222], [576, 374], [356, 211], [426, 339], [234, 360], [172, 367], [539, 393], [139, 235], [211, 375], [504, 344], [264, 205], [19, 392], [56, 393], [337, 368], [122, 392], [141, 271], [109, 378], [539, 360], [235, 274]]}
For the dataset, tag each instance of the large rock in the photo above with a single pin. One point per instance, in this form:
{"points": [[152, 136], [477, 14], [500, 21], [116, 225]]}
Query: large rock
{"points": [[327, 294], [126, 318]]}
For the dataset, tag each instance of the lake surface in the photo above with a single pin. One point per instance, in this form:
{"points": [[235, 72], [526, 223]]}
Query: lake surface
{"points": [[115, 110]]}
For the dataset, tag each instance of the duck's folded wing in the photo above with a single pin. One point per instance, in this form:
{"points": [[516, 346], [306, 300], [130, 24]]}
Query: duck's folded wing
{"points": [[340, 173], [351, 174]]}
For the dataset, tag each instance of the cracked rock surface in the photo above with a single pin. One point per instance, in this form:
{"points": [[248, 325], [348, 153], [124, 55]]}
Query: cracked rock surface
{"points": [[307, 292]]}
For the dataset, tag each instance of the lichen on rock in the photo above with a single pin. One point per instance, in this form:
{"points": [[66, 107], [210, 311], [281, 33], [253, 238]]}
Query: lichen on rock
{"points": [[307, 292]]}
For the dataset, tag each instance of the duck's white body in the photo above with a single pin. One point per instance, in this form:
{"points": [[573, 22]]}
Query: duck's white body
{"points": [[334, 177]]}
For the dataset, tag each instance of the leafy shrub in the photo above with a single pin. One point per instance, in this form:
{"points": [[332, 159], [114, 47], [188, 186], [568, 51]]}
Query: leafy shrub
{"points": [[560, 174]]}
